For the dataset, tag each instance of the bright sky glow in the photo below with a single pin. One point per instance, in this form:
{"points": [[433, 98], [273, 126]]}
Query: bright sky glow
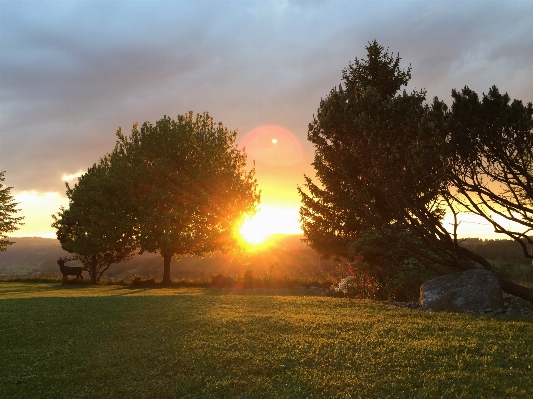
{"points": [[271, 220], [76, 83], [476, 226], [73, 176], [37, 209]]}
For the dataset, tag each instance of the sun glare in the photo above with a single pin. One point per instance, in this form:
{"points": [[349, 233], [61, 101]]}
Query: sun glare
{"points": [[269, 221]]}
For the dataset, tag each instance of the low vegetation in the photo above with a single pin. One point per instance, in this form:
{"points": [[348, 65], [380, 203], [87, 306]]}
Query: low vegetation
{"points": [[83, 341]]}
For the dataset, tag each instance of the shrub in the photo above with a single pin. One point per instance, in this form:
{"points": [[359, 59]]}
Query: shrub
{"points": [[404, 284], [248, 278], [136, 280]]}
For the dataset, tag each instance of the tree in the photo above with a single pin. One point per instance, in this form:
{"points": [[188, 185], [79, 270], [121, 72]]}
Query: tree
{"points": [[491, 147], [95, 224], [188, 183], [387, 166], [8, 222], [367, 141]]}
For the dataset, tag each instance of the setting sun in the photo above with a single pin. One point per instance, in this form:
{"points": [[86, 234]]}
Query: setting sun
{"points": [[270, 220]]}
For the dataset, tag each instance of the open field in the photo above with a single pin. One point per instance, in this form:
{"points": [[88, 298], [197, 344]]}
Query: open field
{"points": [[81, 341]]}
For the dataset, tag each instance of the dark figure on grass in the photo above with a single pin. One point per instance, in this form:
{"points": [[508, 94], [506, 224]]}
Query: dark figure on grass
{"points": [[68, 270]]}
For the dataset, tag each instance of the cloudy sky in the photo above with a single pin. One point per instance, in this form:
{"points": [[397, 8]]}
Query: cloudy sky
{"points": [[71, 72]]}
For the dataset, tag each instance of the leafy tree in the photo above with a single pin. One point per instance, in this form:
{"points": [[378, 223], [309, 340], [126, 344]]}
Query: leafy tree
{"points": [[188, 184], [387, 163], [8, 222], [95, 224], [491, 146]]}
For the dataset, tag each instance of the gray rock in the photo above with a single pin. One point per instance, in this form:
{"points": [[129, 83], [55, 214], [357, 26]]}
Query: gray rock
{"points": [[513, 312], [472, 291]]}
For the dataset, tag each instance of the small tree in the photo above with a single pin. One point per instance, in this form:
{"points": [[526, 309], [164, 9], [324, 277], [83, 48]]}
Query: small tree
{"points": [[188, 184], [95, 224], [8, 222]]}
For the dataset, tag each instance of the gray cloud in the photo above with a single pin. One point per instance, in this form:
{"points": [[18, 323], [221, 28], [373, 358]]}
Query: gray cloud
{"points": [[72, 72]]}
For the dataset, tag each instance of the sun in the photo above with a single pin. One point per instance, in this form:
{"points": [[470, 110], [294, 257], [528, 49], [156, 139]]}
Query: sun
{"points": [[270, 220]]}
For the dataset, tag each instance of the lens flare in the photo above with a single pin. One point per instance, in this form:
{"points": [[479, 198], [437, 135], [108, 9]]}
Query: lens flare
{"points": [[288, 150]]}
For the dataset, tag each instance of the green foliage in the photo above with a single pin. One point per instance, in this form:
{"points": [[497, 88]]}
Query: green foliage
{"points": [[399, 274], [405, 284], [188, 183], [391, 165], [178, 187], [97, 225], [502, 270], [490, 142], [503, 250], [210, 344], [375, 150], [8, 222]]}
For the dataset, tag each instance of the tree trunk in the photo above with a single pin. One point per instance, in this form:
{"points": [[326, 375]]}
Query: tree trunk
{"points": [[93, 269], [166, 268], [517, 290]]}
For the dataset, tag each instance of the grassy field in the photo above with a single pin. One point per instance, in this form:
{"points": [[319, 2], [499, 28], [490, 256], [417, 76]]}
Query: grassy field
{"points": [[79, 341]]}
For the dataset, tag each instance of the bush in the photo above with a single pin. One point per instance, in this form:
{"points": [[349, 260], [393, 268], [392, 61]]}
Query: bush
{"points": [[248, 278], [363, 281], [404, 285]]}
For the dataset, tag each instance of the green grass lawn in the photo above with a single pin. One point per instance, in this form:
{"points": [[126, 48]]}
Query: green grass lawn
{"points": [[78, 341]]}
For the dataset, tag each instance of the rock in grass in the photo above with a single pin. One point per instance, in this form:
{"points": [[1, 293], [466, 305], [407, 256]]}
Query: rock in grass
{"points": [[470, 291]]}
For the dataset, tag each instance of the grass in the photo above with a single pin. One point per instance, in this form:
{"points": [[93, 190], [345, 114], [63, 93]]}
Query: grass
{"points": [[80, 341]]}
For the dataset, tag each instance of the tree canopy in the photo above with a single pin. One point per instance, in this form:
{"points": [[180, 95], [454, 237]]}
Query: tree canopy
{"points": [[390, 165], [179, 187], [96, 226], [8, 208], [189, 185], [491, 149]]}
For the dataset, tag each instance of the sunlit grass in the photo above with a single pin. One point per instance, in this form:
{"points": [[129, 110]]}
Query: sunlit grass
{"points": [[115, 342]]}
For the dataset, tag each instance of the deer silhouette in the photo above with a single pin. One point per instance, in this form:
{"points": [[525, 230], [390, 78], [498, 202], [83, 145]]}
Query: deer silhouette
{"points": [[69, 271]]}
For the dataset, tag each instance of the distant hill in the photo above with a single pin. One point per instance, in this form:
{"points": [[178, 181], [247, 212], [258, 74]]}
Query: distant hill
{"points": [[31, 255], [281, 255], [500, 250]]}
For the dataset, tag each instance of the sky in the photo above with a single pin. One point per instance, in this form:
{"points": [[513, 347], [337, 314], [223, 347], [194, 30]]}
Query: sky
{"points": [[72, 72]]}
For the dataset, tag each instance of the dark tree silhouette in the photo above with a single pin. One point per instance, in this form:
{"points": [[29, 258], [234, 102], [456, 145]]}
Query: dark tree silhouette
{"points": [[96, 226], [8, 207], [388, 170], [491, 146], [188, 184]]}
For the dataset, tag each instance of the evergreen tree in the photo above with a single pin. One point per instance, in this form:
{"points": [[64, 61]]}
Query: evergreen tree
{"points": [[389, 167], [8, 207]]}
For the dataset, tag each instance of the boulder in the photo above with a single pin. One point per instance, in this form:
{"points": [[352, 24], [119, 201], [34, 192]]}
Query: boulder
{"points": [[470, 291]]}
